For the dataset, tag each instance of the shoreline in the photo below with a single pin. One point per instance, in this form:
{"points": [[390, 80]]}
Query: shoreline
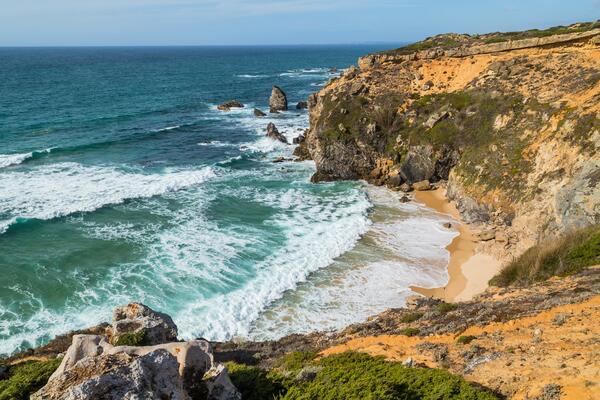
{"points": [[468, 270]]}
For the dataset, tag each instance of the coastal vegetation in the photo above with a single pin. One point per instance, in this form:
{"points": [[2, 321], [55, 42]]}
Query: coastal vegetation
{"points": [[351, 376], [561, 256], [22, 379]]}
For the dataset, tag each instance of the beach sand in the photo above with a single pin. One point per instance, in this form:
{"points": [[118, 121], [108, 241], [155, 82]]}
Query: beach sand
{"points": [[469, 271]]}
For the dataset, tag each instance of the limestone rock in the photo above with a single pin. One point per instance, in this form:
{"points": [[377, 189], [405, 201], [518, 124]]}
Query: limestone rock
{"points": [[422, 185], [92, 369], [435, 118], [136, 318], [259, 113], [274, 134], [228, 105], [278, 101]]}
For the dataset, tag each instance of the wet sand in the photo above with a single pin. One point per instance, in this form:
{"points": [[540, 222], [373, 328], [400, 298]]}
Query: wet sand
{"points": [[469, 271]]}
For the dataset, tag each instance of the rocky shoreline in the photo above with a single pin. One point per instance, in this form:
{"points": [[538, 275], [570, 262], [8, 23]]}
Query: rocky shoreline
{"points": [[512, 133]]}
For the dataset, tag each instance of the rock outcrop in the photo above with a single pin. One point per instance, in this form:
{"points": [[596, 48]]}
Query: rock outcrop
{"points": [[302, 105], [228, 105], [149, 326], [273, 133], [278, 101], [93, 368], [513, 126], [259, 113]]}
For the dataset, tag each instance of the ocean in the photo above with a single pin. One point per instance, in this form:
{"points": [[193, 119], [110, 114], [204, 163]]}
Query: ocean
{"points": [[121, 181]]}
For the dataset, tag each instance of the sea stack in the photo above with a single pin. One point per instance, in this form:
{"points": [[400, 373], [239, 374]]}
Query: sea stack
{"points": [[274, 133], [278, 101]]}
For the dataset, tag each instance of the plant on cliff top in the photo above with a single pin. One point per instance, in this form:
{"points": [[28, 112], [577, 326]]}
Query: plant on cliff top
{"points": [[561, 256], [354, 376], [132, 339], [26, 378]]}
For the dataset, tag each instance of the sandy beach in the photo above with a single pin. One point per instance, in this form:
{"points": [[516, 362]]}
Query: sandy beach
{"points": [[469, 271]]}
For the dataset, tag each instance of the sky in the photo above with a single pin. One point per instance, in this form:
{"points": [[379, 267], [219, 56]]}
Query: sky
{"points": [[248, 22]]}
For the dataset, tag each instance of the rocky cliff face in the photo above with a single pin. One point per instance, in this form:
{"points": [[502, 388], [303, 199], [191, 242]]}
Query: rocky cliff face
{"points": [[512, 123]]}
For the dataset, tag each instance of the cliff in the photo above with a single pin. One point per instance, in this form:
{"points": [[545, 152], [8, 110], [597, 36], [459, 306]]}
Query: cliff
{"points": [[511, 121]]}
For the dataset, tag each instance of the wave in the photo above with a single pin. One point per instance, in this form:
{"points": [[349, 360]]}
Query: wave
{"points": [[168, 128], [61, 189], [250, 76], [7, 160]]}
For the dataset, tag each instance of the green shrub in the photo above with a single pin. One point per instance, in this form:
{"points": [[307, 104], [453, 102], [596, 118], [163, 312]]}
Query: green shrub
{"points": [[255, 383], [412, 317], [296, 360], [446, 307], [465, 339], [410, 332], [26, 378], [132, 339], [354, 376], [562, 256]]}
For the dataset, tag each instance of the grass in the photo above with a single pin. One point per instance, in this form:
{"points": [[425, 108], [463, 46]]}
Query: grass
{"points": [[354, 376], [26, 378], [132, 339], [410, 331], [446, 307], [411, 317], [465, 339], [561, 256]]}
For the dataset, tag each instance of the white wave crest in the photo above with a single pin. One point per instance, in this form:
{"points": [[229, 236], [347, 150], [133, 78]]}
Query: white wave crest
{"points": [[58, 190]]}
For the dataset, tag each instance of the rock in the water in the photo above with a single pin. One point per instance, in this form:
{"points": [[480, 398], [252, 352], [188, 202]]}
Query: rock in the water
{"points": [[228, 105], [259, 113], [422, 185], [278, 101], [94, 369], [404, 199], [273, 133], [302, 105], [149, 327], [447, 225], [299, 139]]}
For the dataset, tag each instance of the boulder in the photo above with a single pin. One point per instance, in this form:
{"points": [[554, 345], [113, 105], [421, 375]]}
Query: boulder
{"points": [[419, 164], [92, 368], [274, 134], [259, 113], [278, 101], [435, 118], [422, 185], [299, 139], [148, 327], [302, 105], [228, 105]]}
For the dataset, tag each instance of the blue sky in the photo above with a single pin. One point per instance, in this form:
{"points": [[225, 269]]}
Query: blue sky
{"points": [[214, 22]]}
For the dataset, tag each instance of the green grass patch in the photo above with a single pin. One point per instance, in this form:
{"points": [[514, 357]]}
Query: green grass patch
{"points": [[296, 360], [26, 378], [257, 384], [410, 331], [561, 256], [465, 339], [132, 339], [411, 317], [446, 307]]}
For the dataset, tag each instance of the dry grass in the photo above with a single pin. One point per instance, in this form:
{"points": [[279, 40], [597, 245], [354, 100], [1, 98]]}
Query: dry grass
{"points": [[561, 256]]}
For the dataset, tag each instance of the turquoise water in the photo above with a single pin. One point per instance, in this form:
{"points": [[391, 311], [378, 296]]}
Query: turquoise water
{"points": [[121, 181]]}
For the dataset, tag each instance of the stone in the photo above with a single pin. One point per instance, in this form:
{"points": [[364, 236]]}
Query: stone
{"points": [[422, 185], [137, 318], [228, 105], [447, 225], [436, 118], [259, 113], [308, 374], [92, 368], [418, 164], [404, 199], [274, 134], [279, 160], [409, 362], [394, 180], [486, 235], [299, 139], [302, 105], [405, 187], [333, 70], [427, 85], [278, 101]]}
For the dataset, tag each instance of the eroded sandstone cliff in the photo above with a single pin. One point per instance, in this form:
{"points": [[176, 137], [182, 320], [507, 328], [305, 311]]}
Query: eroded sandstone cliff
{"points": [[511, 121]]}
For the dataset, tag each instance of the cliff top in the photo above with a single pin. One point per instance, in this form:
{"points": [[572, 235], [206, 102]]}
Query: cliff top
{"points": [[453, 40]]}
